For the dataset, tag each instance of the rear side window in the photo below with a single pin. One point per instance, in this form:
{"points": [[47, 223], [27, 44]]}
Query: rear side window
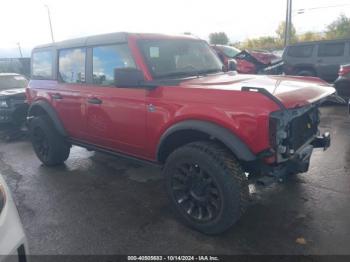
{"points": [[300, 51], [42, 65], [71, 65], [108, 58], [333, 49]]}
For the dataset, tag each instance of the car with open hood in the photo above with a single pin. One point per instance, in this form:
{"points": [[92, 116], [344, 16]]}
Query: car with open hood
{"points": [[250, 62], [168, 100]]}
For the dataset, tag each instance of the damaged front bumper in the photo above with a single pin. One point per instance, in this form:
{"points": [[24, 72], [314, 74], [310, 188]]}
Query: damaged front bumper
{"points": [[298, 163]]}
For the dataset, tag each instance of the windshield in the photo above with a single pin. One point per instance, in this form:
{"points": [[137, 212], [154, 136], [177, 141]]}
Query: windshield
{"points": [[12, 81], [179, 58], [230, 51]]}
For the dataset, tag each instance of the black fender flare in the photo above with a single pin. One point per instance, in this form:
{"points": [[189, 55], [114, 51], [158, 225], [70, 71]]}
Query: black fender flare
{"points": [[232, 141], [50, 111]]}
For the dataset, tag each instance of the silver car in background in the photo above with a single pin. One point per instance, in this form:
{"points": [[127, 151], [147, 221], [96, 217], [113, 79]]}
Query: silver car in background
{"points": [[13, 243]]}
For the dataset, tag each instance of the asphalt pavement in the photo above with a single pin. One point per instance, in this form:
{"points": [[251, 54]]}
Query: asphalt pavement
{"points": [[99, 204]]}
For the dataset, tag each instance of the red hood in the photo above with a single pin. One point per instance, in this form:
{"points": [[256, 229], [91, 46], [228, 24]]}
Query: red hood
{"points": [[291, 91], [265, 58]]}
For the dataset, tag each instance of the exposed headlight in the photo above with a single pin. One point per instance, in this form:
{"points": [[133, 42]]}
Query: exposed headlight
{"points": [[2, 198], [3, 103]]}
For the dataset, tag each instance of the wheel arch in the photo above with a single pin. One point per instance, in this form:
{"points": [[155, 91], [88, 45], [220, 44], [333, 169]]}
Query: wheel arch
{"points": [[41, 107], [195, 130]]}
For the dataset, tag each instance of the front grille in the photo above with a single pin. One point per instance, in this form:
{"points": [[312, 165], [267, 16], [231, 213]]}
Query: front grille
{"points": [[302, 128], [5, 115]]}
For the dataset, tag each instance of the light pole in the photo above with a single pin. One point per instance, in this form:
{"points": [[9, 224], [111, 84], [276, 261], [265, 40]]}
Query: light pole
{"points": [[19, 49], [288, 26], [48, 13]]}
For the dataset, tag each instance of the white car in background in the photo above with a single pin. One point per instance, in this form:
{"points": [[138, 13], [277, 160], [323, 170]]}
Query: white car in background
{"points": [[13, 243]]}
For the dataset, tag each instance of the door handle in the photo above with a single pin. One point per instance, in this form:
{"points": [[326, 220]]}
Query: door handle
{"points": [[94, 101], [56, 96]]}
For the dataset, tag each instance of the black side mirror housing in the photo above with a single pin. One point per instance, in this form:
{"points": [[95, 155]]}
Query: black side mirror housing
{"points": [[232, 65], [128, 77]]}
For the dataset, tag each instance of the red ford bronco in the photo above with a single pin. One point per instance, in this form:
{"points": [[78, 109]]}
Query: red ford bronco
{"points": [[167, 100]]}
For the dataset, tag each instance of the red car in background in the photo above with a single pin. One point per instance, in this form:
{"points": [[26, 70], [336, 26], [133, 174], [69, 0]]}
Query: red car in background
{"points": [[250, 62]]}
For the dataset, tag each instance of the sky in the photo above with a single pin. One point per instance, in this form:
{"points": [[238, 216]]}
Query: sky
{"points": [[26, 21]]}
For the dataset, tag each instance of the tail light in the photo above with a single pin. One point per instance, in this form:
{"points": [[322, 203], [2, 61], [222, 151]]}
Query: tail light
{"points": [[344, 70]]}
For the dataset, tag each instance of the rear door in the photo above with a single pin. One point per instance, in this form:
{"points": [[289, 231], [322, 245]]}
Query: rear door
{"points": [[329, 58], [116, 117], [68, 97]]}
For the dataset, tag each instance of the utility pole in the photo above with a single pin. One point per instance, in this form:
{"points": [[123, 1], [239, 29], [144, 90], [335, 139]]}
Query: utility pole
{"points": [[288, 26], [290, 20], [48, 13], [19, 49]]}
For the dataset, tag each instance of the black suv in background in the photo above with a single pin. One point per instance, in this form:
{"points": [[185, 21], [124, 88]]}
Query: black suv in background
{"points": [[320, 58]]}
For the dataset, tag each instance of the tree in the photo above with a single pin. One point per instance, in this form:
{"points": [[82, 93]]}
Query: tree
{"points": [[219, 38], [280, 31], [340, 28], [310, 36], [264, 42]]}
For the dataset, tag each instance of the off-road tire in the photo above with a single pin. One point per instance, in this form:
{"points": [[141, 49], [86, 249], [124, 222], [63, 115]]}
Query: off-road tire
{"points": [[227, 175], [305, 72], [53, 149]]}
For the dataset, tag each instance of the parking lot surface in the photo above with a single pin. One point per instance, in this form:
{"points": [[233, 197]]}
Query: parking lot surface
{"points": [[98, 204]]}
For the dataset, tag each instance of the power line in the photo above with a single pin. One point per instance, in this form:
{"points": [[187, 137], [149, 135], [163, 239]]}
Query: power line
{"points": [[320, 7]]}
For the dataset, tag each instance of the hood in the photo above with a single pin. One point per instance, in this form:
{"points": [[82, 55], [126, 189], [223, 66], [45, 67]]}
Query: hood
{"points": [[12, 92], [263, 57], [291, 91]]}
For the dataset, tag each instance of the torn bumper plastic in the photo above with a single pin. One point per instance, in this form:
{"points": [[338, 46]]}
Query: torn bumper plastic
{"points": [[298, 163]]}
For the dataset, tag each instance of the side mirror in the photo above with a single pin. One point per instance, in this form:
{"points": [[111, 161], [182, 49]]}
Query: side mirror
{"points": [[128, 77], [232, 65]]}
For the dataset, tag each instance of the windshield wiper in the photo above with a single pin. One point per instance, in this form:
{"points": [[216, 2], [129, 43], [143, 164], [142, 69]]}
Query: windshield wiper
{"points": [[178, 74], [191, 73], [209, 71]]}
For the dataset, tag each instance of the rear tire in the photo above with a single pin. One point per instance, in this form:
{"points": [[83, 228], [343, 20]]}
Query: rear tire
{"points": [[306, 72], [207, 186], [50, 147]]}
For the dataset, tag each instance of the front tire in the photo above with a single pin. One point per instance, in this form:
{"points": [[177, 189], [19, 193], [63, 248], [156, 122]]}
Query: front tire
{"points": [[206, 186], [50, 147]]}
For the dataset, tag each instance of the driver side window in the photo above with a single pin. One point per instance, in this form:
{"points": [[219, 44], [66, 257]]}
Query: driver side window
{"points": [[106, 59]]}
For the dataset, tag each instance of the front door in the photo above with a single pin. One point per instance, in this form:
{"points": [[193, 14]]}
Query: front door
{"points": [[116, 117]]}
